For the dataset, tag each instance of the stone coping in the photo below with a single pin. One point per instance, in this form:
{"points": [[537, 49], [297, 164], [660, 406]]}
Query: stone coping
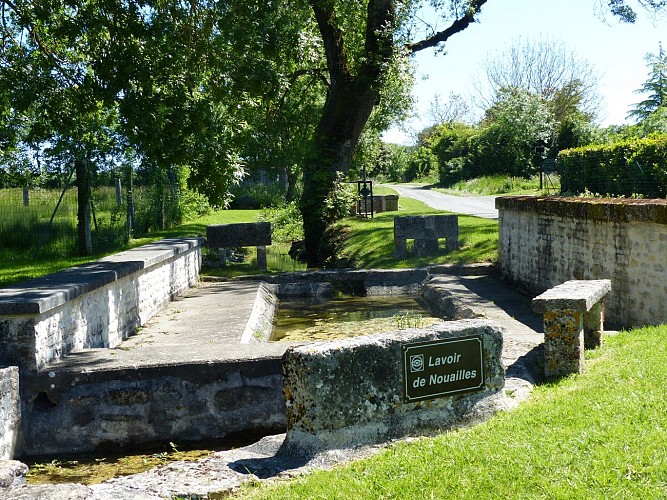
{"points": [[39, 295], [604, 209], [580, 295]]}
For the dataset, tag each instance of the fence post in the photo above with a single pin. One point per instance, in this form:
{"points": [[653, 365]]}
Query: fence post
{"points": [[26, 196], [83, 211], [130, 203], [118, 193]]}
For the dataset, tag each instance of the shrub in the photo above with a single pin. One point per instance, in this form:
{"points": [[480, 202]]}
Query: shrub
{"points": [[625, 168]]}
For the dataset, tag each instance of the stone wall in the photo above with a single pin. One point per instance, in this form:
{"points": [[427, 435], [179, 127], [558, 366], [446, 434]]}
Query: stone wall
{"points": [[357, 391], [547, 241], [93, 305], [75, 412], [380, 203], [10, 413]]}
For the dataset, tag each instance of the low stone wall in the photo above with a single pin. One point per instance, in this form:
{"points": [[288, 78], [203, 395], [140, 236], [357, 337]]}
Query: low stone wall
{"points": [[380, 203], [10, 412], [375, 388], [93, 305], [546, 241], [74, 411]]}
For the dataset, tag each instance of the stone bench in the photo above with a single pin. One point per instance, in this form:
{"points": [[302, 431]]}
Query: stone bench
{"points": [[247, 234], [573, 315], [425, 230]]}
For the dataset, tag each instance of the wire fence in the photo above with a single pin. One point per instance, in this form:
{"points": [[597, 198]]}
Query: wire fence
{"points": [[43, 221], [628, 176]]}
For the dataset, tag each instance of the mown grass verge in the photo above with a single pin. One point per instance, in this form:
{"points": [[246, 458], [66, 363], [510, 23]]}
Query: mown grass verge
{"points": [[502, 184], [370, 242], [602, 434]]}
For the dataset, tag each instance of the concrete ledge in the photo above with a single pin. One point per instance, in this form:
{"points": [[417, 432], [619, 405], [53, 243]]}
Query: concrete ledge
{"points": [[351, 392], [603, 209], [40, 295]]}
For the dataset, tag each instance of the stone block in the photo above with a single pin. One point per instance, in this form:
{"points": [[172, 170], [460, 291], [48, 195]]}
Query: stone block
{"points": [[355, 391], [248, 234], [10, 412], [573, 321], [425, 230]]}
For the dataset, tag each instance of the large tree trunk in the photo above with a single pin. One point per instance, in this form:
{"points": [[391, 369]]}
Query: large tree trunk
{"points": [[350, 101]]}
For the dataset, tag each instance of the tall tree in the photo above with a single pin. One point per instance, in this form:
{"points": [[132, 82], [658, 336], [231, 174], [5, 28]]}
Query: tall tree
{"points": [[361, 40], [655, 87], [545, 68]]}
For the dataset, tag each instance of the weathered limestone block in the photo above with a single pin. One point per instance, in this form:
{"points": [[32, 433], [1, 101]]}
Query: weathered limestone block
{"points": [[573, 315], [10, 412], [425, 230], [12, 473], [246, 234], [353, 391]]}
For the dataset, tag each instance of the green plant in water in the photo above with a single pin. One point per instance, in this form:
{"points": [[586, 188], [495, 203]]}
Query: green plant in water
{"points": [[409, 319]]}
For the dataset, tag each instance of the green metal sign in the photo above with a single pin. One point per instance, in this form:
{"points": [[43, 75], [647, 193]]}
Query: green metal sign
{"points": [[439, 368]]}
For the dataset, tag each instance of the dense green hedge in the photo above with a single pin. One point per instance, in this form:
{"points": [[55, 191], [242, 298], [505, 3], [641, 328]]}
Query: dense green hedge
{"points": [[628, 168]]}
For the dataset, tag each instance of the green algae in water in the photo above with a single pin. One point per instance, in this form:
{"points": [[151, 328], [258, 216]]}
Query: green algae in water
{"points": [[347, 316], [94, 469]]}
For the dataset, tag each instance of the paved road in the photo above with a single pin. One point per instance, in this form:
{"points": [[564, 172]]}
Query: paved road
{"points": [[479, 206]]}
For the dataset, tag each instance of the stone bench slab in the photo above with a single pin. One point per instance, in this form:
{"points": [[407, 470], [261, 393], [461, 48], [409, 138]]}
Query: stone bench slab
{"points": [[247, 234], [580, 295]]}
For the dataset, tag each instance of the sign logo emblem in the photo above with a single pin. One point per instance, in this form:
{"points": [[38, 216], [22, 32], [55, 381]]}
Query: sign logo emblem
{"points": [[417, 363]]}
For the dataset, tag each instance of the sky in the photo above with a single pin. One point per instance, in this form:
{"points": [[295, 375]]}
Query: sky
{"points": [[616, 51]]}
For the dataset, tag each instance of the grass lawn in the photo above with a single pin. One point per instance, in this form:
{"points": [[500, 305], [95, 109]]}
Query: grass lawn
{"points": [[602, 434], [503, 185], [16, 267], [369, 244]]}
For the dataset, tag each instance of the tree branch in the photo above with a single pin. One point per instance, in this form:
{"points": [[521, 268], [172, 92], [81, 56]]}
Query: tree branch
{"points": [[58, 63], [332, 37], [456, 27]]}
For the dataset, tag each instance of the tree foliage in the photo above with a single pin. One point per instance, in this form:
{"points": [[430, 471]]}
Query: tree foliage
{"points": [[655, 87], [215, 86]]}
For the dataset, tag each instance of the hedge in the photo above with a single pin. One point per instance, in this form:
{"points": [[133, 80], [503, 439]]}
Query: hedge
{"points": [[629, 168]]}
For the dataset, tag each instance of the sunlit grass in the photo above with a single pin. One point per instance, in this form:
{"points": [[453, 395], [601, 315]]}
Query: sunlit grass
{"points": [[370, 243], [503, 184], [599, 435], [16, 266]]}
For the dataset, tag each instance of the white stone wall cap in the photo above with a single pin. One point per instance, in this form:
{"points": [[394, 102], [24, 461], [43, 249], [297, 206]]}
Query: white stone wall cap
{"points": [[38, 295]]}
